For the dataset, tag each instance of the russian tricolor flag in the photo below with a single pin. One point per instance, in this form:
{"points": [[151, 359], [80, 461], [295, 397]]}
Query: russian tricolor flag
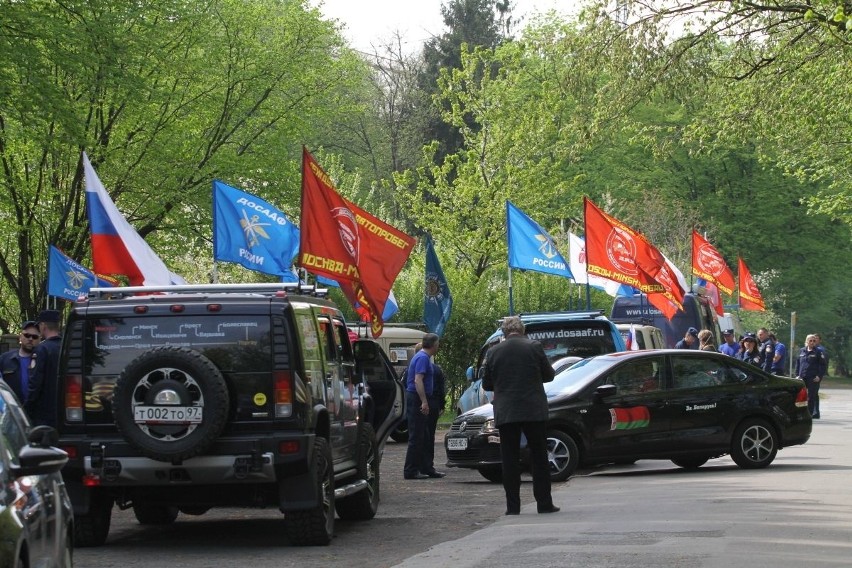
{"points": [[116, 246]]}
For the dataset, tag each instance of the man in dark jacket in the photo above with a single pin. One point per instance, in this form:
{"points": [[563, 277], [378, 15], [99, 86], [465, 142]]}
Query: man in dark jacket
{"points": [[516, 370], [15, 364], [44, 374]]}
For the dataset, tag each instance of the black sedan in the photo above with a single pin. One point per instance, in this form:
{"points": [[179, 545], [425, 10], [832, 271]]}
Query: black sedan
{"points": [[36, 519], [680, 405]]}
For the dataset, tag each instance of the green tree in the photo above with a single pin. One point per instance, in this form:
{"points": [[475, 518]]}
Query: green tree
{"points": [[164, 97]]}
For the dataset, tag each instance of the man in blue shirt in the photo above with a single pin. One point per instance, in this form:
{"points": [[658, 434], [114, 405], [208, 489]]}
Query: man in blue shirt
{"points": [[44, 372], [419, 386], [779, 361], [730, 347], [15, 364]]}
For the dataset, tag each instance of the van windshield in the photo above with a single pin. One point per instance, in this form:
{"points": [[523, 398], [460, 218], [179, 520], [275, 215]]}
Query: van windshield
{"points": [[577, 339], [638, 310]]}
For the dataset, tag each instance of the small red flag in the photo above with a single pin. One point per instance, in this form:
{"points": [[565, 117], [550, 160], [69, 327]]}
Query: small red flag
{"points": [[708, 264], [750, 298], [341, 241]]}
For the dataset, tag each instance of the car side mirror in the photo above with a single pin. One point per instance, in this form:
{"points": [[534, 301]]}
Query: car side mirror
{"points": [[605, 391], [43, 436], [469, 374], [37, 460]]}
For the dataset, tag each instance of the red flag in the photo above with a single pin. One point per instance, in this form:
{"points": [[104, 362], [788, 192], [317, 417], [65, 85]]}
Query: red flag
{"points": [[708, 264], [750, 298], [618, 252], [343, 242]]}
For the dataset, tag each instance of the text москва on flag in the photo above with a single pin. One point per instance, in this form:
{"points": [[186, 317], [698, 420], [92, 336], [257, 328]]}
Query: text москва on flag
{"points": [[117, 249], [343, 242], [530, 247], [249, 231]]}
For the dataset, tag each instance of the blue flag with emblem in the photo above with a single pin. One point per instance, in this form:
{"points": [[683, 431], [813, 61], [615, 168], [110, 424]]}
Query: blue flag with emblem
{"points": [[249, 231], [68, 279], [530, 247], [437, 301]]}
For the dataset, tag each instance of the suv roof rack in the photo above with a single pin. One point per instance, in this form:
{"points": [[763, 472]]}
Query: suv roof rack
{"points": [[248, 288]]}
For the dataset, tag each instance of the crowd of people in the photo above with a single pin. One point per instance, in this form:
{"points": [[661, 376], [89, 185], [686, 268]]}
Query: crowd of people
{"points": [[765, 351]]}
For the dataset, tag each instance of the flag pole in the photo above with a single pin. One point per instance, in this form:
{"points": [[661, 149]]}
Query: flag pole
{"points": [[511, 301]]}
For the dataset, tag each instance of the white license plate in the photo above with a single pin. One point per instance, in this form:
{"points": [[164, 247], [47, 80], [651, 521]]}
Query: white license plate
{"points": [[456, 443], [167, 414]]}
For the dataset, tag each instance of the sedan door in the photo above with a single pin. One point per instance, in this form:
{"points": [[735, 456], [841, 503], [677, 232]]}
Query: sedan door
{"points": [[704, 398], [633, 421]]}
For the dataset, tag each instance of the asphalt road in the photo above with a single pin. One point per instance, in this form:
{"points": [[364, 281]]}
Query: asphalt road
{"points": [[797, 512]]}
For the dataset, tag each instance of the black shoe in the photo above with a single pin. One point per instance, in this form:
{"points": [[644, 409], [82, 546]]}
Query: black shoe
{"points": [[435, 474], [416, 476], [513, 512], [815, 416], [551, 509]]}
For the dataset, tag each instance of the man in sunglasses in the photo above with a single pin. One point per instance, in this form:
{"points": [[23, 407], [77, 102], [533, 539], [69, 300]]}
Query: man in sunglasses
{"points": [[15, 364]]}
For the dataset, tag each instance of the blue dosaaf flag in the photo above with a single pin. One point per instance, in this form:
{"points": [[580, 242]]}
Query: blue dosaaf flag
{"points": [[249, 231], [67, 278], [438, 302], [530, 247]]}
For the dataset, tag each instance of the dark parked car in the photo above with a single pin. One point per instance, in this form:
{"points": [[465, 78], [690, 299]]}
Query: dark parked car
{"points": [[175, 400], [565, 336], [681, 405], [36, 521]]}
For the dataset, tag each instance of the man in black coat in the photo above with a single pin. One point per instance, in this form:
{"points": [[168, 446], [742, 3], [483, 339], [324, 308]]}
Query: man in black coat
{"points": [[516, 371], [44, 374], [15, 364]]}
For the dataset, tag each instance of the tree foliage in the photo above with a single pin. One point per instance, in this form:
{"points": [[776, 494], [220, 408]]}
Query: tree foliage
{"points": [[164, 96]]}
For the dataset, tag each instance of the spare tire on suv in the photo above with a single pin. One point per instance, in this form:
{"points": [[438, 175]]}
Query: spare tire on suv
{"points": [[171, 403]]}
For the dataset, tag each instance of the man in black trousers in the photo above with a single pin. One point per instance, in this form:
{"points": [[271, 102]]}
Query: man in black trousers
{"points": [[516, 371]]}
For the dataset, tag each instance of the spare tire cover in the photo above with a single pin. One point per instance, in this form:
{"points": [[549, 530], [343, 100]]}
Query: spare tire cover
{"points": [[171, 403]]}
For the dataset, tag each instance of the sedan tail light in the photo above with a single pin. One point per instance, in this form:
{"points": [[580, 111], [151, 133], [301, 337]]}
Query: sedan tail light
{"points": [[802, 398]]}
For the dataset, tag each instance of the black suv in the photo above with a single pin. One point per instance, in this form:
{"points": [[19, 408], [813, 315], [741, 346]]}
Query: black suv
{"points": [[183, 398]]}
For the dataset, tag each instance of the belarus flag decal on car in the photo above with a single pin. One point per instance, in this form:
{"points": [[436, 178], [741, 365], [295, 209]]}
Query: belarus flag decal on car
{"points": [[629, 418]]}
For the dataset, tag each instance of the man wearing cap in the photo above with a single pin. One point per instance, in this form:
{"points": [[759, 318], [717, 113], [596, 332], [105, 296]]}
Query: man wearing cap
{"points": [[44, 371], [689, 341], [15, 363], [730, 348]]}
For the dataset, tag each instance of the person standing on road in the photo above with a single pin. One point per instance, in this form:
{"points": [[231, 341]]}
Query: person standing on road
{"points": [[750, 352], [419, 381], [705, 340], [15, 364], [437, 402], [516, 370], [767, 349], [730, 347], [779, 359], [811, 367], [44, 371], [689, 341]]}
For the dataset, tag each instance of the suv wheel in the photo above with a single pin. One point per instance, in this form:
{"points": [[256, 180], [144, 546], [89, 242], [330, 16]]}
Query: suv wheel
{"points": [[363, 505], [690, 462], [92, 528], [155, 514], [315, 526], [171, 403], [400, 433]]}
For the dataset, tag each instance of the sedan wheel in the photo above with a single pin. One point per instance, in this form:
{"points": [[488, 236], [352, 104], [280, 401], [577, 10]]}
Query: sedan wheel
{"points": [[754, 445], [562, 454]]}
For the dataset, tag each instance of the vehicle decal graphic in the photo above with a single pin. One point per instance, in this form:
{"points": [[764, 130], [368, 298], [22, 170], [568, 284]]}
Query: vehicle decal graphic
{"points": [[629, 418]]}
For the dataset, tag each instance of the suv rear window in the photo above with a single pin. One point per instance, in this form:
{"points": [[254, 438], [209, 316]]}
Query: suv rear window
{"points": [[239, 346], [572, 339]]}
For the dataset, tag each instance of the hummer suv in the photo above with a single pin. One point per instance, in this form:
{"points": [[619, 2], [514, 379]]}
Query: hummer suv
{"points": [[174, 400]]}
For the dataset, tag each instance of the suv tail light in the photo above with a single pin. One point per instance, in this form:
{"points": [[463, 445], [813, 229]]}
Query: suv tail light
{"points": [[802, 398], [283, 394], [74, 398]]}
